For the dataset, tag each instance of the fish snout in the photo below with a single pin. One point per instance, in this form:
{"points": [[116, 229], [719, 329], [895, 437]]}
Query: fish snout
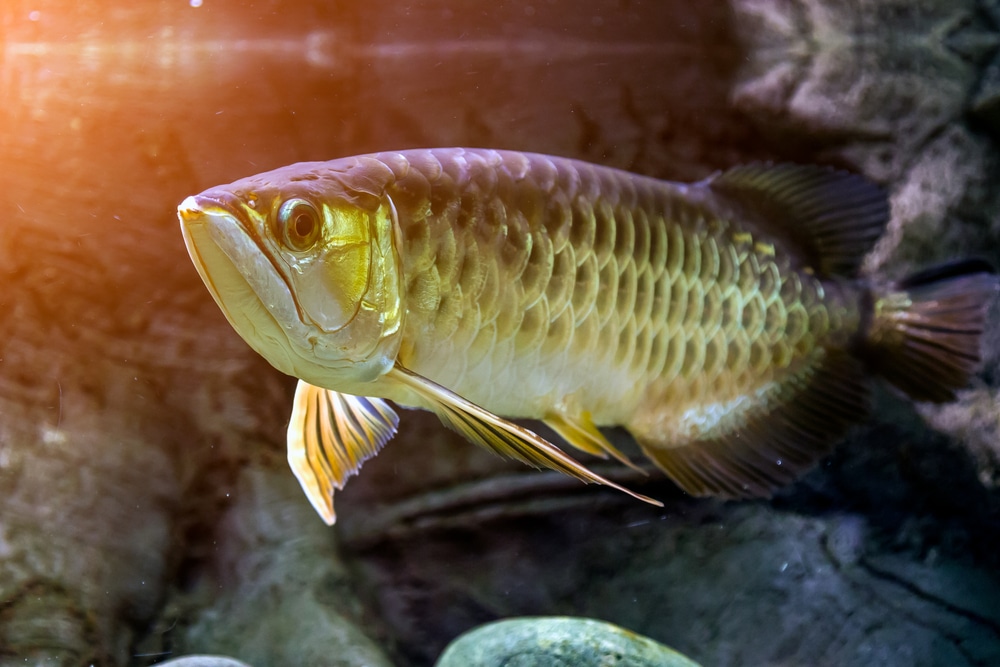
{"points": [[211, 202], [190, 211]]}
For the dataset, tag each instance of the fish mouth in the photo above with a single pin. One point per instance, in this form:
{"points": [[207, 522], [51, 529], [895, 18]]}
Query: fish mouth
{"points": [[250, 291]]}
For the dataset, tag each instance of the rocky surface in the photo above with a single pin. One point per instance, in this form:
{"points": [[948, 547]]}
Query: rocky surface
{"points": [[557, 642], [146, 511], [204, 661], [273, 590]]}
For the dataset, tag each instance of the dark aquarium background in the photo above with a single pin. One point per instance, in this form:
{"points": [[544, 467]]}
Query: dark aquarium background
{"points": [[146, 508]]}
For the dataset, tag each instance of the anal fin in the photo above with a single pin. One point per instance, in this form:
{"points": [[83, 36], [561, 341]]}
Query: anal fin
{"points": [[777, 445], [585, 436], [496, 434], [330, 435]]}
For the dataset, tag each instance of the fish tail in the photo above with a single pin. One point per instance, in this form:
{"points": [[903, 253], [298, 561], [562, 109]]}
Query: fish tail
{"points": [[924, 331]]}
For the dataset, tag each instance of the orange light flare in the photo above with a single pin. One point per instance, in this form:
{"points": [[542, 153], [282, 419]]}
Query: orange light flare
{"points": [[127, 108]]}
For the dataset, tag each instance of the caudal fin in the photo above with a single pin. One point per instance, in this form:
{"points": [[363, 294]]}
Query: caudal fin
{"points": [[925, 330]]}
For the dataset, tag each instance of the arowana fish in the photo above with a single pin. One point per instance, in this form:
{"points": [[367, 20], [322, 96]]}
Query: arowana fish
{"points": [[723, 323]]}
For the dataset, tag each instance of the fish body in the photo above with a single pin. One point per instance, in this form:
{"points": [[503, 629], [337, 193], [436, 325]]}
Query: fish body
{"points": [[645, 285], [723, 323]]}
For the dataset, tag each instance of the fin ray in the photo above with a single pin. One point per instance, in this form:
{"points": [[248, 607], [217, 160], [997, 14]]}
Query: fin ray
{"points": [[584, 435], [776, 446], [330, 435], [832, 217], [497, 434], [925, 334]]}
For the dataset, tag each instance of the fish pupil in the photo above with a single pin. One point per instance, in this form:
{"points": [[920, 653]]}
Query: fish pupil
{"points": [[304, 225]]}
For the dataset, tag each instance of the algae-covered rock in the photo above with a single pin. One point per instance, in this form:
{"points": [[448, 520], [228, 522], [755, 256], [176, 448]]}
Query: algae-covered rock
{"points": [[557, 642]]}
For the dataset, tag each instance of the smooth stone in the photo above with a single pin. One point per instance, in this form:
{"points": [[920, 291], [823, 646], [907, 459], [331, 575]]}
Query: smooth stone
{"points": [[203, 661], [557, 641]]}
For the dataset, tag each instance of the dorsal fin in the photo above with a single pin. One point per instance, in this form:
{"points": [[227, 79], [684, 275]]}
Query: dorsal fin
{"points": [[832, 217]]}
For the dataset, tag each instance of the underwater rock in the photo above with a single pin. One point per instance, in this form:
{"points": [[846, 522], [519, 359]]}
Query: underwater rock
{"points": [[203, 661], [883, 74], [273, 592], [724, 583], [986, 103], [87, 488], [557, 642], [940, 205]]}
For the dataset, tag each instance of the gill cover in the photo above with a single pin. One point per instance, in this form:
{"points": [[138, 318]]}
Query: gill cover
{"points": [[343, 270]]}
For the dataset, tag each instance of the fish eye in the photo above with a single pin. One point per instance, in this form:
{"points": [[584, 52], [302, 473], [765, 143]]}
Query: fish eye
{"points": [[299, 223]]}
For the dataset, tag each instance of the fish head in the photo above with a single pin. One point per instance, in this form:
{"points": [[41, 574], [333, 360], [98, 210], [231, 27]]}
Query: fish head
{"points": [[304, 263]]}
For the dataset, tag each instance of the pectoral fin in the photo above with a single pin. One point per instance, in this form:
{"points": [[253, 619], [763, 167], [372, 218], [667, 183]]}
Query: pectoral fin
{"points": [[582, 434], [497, 434], [329, 436]]}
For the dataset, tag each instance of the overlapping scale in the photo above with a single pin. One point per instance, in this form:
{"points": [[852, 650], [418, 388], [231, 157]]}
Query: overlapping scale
{"points": [[561, 284], [586, 286], [672, 298], [605, 230]]}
